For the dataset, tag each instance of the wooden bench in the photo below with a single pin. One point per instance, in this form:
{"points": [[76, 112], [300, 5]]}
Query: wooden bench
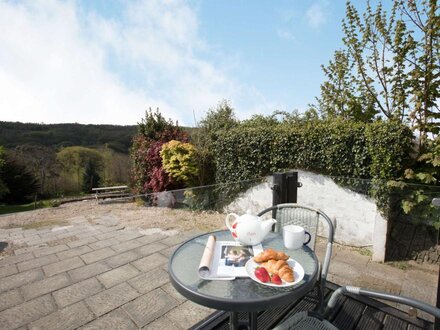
{"points": [[110, 192]]}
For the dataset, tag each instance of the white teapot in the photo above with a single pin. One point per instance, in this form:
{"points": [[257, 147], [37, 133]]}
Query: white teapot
{"points": [[248, 229]]}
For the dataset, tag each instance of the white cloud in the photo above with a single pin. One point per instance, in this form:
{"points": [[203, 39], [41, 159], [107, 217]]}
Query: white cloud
{"points": [[285, 34], [316, 16], [61, 63]]}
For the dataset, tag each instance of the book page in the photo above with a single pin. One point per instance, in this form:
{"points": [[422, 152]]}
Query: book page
{"points": [[225, 260], [230, 258]]}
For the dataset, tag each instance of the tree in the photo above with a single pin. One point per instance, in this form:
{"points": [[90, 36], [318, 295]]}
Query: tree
{"points": [[154, 124], [21, 184], [389, 65], [221, 118], [148, 174], [74, 160], [3, 187], [393, 61], [91, 177], [424, 69], [339, 95], [40, 161]]}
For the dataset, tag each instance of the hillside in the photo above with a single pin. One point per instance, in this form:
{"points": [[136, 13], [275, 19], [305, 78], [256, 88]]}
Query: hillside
{"points": [[115, 137]]}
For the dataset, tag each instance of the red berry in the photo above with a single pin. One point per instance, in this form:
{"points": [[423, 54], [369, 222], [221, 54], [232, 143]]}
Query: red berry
{"points": [[262, 274], [275, 279]]}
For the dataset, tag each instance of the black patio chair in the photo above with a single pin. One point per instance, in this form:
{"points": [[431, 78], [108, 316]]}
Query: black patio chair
{"points": [[315, 321], [307, 217]]}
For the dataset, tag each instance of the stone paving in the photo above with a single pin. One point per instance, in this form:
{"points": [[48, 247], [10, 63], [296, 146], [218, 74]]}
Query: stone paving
{"points": [[106, 276], [88, 276]]}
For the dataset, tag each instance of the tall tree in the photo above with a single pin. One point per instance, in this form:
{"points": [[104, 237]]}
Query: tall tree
{"points": [[22, 185], [40, 161], [91, 178], [216, 120], [74, 160], [424, 69], [391, 61], [3, 187], [340, 95]]}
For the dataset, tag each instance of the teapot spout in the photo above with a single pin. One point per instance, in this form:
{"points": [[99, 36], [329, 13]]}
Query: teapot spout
{"points": [[266, 226]]}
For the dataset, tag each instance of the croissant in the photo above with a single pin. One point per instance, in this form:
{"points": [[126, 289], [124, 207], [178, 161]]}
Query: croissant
{"points": [[270, 254], [281, 268]]}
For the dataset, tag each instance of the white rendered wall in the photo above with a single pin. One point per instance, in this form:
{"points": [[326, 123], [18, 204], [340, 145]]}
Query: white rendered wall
{"points": [[356, 218]]}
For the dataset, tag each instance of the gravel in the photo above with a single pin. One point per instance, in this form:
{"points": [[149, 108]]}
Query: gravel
{"points": [[128, 214]]}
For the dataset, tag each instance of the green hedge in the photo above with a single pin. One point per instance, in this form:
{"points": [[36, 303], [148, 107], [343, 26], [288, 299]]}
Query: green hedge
{"points": [[377, 151]]}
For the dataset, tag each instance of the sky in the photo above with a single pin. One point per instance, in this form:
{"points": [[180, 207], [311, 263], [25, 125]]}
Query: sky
{"points": [[108, 61]]}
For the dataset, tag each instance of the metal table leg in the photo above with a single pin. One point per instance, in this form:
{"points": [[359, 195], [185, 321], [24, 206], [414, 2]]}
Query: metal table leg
{"points": [[250, 324], [233, 320]]}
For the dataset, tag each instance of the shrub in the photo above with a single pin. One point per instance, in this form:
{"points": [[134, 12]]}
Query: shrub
{"points": [[180, 162], [342, 148], [148, 174]]}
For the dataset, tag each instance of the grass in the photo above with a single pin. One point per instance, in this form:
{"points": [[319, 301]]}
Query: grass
{"points": [[399, 264], [6, 208], [39, 224], [364, 251]]}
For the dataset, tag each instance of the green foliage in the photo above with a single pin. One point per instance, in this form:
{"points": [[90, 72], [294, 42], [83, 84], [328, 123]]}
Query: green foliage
{"points": [[389, 144], [339, 95], [91, 178], [180, 162], [154, 124], [41, 162], [217, 120], [334, 147], [65, 135], [3, 188], [22, 185], [421, 185], [74, 160], [148, 174], [390, 65]]}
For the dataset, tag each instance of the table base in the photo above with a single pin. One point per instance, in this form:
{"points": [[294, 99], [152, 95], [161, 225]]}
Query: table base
{"points": [[249, 324]]}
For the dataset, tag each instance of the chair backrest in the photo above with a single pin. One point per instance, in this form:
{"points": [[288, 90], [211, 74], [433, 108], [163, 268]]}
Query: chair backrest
{"points": [[295, 214], [307, 217]]}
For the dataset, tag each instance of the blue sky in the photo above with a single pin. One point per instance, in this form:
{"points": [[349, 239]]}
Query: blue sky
{"points": [[107, 61]]}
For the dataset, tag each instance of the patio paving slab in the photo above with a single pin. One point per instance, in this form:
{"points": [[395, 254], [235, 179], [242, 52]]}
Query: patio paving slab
{"points": [[112, 277], [117, 319], [68, 318], [27, 312]]}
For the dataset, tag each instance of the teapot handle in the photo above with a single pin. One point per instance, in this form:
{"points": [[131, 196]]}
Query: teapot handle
{"points": [[227, 220]]}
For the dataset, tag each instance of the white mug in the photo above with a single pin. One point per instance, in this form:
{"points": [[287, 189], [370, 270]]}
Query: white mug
{"points": [[294, 237]]}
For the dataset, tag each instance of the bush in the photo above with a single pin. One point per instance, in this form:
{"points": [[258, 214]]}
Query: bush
{"points": [[22, 185], [148, 174], [180, 162], [378, 151]]}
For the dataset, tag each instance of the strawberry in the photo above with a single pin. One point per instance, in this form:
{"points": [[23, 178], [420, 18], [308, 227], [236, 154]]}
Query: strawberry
{"points": [[275, 279], [262, 274]]}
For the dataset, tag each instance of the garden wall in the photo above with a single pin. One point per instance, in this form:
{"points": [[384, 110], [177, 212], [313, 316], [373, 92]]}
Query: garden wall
{"points": [[355, 216]]}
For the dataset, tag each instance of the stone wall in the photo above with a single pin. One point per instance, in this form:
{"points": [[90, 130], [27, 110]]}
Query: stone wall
{"points": [[355, 216]]}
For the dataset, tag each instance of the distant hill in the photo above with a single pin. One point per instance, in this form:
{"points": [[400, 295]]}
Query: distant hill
{"points": [[116, 137]]}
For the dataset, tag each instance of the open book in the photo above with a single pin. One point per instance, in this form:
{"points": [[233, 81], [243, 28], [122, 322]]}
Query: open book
{"points": [[226, 260]]}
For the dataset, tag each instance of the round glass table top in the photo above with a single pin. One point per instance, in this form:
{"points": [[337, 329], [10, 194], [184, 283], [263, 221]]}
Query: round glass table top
{"points": [[241, 294]]}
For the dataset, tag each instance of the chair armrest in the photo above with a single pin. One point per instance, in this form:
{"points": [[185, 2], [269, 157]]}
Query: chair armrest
{"points": [[380, 295]]}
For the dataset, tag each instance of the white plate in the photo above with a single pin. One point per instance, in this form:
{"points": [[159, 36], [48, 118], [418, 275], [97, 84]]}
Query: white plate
{"points": [[298, 272]]}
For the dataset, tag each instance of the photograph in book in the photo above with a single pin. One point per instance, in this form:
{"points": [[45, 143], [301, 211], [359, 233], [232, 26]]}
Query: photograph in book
{"points": [[226, 260]]}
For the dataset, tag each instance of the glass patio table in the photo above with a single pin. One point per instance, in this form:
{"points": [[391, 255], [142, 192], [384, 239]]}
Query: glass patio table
{"points": [[241, 294]]}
